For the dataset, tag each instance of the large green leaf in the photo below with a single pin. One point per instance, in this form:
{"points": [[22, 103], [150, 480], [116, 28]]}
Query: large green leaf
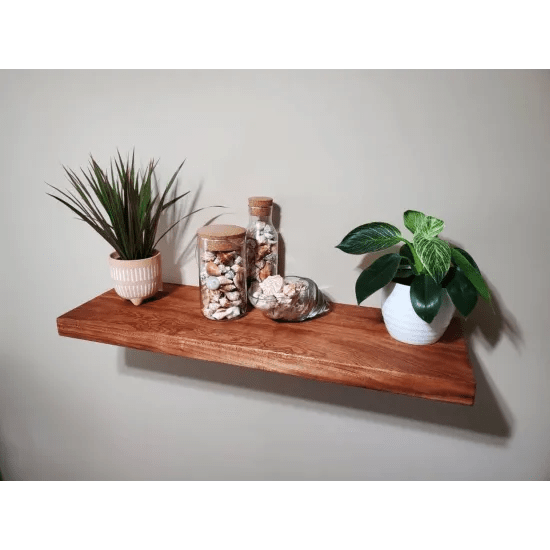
{"points": [[434, 254], [413, 220], [377, 275], [473, 274], [462, 292], [426, 297], [431, 227], [370, 237], [469, 258]]}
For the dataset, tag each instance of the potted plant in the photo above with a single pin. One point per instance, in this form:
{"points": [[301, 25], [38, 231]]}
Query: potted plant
{"points": [[422, 283], [121, 205]]}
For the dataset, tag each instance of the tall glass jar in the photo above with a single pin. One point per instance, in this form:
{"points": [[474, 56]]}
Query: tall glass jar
{"points": [[221, 255], [262, 240]]}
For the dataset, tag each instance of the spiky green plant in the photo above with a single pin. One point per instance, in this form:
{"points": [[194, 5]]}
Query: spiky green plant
{"points": [[120, 204]]}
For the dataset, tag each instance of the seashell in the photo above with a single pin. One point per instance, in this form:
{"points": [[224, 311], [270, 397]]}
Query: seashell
{"points": [[260, 225], [223, 280], [213, 269], [265, 272], [228, 288], [239, 279], [224, 302], [236, 303], [233, 312], [236, 268], [260, 264], [238, 260], [223, 268], [289, 289], [272, 285], [213, 306], [220, 314], [226, 257], [229, 274], [272, 242], [209, 256], [301, 286], [213, 283], [217, 261], [233, 296], [260, 239], [215, 295], [262, 251]]}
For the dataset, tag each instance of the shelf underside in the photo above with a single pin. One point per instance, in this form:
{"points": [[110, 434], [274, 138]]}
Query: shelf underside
{"points": [[349, 345]]}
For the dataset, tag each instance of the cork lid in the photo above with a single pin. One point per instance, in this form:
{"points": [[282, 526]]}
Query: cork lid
{"points": [[260, 201], [260, 206], [222, 237]]}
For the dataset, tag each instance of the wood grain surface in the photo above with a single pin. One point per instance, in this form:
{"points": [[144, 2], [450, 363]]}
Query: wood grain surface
{"points": [[349, 345]]}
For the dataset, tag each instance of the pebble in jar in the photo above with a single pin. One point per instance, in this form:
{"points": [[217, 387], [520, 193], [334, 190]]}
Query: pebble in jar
{"points": [[262, 239], [221, 251]]}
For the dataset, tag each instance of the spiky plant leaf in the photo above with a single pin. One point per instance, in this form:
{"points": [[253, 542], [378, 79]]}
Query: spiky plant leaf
{"points": [[120, 204]]}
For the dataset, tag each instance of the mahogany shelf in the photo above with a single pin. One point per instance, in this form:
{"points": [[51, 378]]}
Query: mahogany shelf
{"points": [[349, 345]]}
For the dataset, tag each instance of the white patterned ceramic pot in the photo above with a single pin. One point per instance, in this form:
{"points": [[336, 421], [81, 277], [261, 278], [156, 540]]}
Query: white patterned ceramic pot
{"points": [[136, 280], [404, 324]]}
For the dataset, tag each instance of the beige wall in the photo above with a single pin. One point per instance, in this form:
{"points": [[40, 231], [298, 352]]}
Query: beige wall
{"points": [[335, 149]]}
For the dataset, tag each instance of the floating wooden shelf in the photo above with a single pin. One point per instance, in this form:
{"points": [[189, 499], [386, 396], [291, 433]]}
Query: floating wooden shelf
{"points": [[349, 345]]}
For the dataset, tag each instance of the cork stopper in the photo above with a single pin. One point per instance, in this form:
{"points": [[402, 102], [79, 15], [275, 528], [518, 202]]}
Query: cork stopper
{"points": [[260, 206], [260, 201], [222, 238]]}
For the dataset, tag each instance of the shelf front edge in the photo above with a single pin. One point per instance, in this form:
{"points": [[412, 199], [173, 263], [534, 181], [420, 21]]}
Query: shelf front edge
{"points": [[438, 388]]}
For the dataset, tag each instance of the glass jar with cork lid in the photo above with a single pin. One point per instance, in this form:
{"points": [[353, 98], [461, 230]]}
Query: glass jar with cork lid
{"points": [[221, 255], [262, 240]]}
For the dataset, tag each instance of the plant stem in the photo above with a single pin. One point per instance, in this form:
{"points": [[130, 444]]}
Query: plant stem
{"points": [[417, 263]]}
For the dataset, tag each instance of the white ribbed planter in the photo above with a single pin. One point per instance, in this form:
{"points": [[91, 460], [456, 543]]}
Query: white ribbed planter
{"points": [[404, 324], [136, 280]]}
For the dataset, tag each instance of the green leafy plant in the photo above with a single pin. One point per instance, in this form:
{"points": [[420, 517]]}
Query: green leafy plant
{"points": [[427, 263], [121, 205]]}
